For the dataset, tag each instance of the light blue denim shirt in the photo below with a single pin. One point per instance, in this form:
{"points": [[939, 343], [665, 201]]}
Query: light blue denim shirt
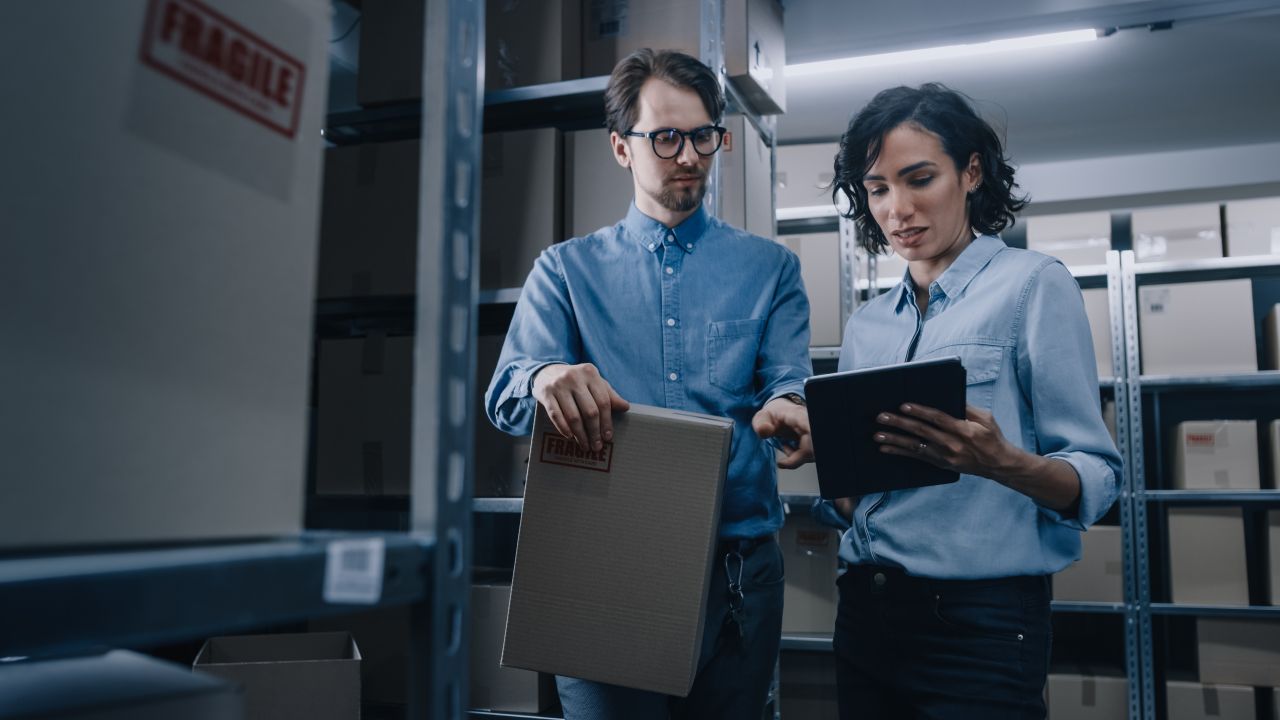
{"points": [[702, 317], [1016, 319]]}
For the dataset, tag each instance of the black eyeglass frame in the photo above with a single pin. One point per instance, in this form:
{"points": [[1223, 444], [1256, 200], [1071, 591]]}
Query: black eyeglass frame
{"points": [[653, 139]]}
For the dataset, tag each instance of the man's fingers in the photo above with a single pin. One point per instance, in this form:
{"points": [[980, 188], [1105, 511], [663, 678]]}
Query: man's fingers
{"points": [[764, 424], [600, 394], [572, 417], [616, 402], [590, 414], [556, 414]]}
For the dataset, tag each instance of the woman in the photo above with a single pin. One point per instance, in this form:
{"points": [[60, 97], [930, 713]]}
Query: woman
{"points": [[944, 608]]}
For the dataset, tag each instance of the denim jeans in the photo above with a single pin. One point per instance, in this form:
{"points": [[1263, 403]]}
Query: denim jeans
{"points": [[733, 677], [909, 647]]}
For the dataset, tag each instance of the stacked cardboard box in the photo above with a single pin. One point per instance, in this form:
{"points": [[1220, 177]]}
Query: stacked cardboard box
{"points": [[807, 686], [1216, 455], [745, 172], [804, 173], [1271, 339], [597, 189], [1087, 697], [1273, 554], [306, 675], [1197, 328], [494, 687], [1196, 701], [1097, 306], [1098, 576], [522, 201], [811, 556], [1253, 227], [819, 255], [1207, 556], [1075, 239], [1239, 652], [1181, 232], [391, 51], [501, 461], [800, 481]]}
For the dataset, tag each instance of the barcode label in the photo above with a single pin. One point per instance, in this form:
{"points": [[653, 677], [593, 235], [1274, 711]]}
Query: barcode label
{"points": [[353, 571]]}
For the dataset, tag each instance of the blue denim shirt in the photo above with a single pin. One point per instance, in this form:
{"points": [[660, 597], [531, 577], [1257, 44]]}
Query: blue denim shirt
{"points": [[1016, 319], [701, 317]]}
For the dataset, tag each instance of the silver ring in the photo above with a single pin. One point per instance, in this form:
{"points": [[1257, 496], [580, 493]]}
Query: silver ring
{"points": [[922, 447]]}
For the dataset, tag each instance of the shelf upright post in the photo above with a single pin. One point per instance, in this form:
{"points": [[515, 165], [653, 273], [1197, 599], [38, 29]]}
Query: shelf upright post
{"points": [[444, 352], [712, 54], [848, 269]]}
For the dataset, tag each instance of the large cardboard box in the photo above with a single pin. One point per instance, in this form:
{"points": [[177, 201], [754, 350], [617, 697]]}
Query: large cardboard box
{"points": [[1178, 232], [1273, 555], [1075, 238], [522, 203], [811, 555], [1207, 556], [1197, 328], [369, 221], [807, 685], [1087, 697], [1216, 455], [598, 190], [804, 173], [746, 176], [614, 556], [800, 481], [391, 51], [1241, 652], [754, 49], [1194, 701], [304, 676], [364, 414], [1271, 339], [494, 687], [819, 255], [1098, 576], [118, 685], [530, 42], [159, 268], [384, 637], [501, 460], [1253, 227], [1097, 306]]}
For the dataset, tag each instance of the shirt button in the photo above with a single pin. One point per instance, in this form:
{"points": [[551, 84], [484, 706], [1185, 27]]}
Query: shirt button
{"points": [[670, 271], [668, 239], [653, 245], [689, 246], [672, 377], [671, 322], [879, 579]]}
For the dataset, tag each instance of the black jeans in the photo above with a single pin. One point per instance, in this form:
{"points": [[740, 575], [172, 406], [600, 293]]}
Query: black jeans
{"points": [[909, 647]]}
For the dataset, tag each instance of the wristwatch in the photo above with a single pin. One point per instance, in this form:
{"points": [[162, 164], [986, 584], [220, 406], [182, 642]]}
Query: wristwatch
{"points": [[796, 398]]}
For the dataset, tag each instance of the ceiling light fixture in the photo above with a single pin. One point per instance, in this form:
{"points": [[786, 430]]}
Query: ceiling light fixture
{"points": [[946, 52]]}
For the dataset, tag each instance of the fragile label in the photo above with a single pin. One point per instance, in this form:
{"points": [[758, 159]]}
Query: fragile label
{"points": [[558, 450], [1203, 440], [813, 538], [220, 59], [353, 571]]}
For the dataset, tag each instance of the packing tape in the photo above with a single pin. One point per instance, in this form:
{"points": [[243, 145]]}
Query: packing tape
{"points": [[1211, 706], [367, 166], [1088, 691], [371, 462], [373, 353]]}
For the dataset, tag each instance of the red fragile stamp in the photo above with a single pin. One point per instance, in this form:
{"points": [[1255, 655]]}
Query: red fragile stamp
{"points": [[217, 57], [558, 450]]}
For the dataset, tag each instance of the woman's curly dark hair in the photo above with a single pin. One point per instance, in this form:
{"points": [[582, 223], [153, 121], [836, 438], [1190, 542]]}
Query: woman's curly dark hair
{"points": [[947, 114]]}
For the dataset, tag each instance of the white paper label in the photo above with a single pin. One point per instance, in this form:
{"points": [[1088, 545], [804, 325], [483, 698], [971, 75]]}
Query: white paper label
{"points": [[353, 571]]}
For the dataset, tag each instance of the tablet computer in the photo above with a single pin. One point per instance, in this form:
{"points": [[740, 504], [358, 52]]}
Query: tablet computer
{"points": [[842, 418]]}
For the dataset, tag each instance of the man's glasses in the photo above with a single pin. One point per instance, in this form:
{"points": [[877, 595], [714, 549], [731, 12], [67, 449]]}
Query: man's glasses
{"points": [[669, 142]]}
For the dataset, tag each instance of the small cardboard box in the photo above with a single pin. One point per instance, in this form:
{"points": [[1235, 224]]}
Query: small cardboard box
{"points": [[1197, 328], [1207, 556], [1253, 227], [746, 176], [819, 255], [1271, 339], [364, 415], [1098, 576], [1240, 652], [522, 201], [1273, 555], [807, 685], [1178, 232], [598, 190], [306, 676], [1109, 419], [804, 173], [811, 556], [1194, 701], [1097, 306], [494, 687], [800, 481], [1087, 697], [391, 48], [1075, 239], [1216, 455], [501, 460], [531, 43], [611, 575], [118, 685]]}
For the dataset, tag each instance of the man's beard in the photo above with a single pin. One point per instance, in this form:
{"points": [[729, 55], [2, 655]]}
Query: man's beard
{"points": [[678, 199]]}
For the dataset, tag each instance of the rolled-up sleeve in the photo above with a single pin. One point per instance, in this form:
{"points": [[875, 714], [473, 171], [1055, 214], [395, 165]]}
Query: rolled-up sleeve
{"points": [[783, 363], [1058, 373], [542, 332]]}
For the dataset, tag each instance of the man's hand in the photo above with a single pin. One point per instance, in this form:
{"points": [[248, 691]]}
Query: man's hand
{"points": [[579, 402], [788, 422]]}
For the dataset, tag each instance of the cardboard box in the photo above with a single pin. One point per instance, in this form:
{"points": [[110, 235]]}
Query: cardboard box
{"points": [[1087, 697], [1097, 306], [754, 50], [1207, 557], [598, 190], [494, 687], [1194, 701], [159, 250], [1241, 652], [1275, 454], [746, 172], [891, 266], [383, 636], [391, 51], [819, 255], [531, 42], [1271, 339], [620, 597], [364, 416], [1197, 328], [807, 685], [1098, 576], [501, 460], [1177, 232], [369, 221], [811, 556], [804, 174], [1253, 227], [1273, 555], [1075, 239], [307, 676], [118, 685], [801, 481], [1216, 455], [1109, 419], [522, 203]]}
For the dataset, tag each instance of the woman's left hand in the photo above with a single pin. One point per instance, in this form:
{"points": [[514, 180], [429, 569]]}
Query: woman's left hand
{"points": [[973, 446]]}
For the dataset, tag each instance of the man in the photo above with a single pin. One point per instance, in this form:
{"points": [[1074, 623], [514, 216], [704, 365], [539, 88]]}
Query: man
{"points": [[674, 308]]}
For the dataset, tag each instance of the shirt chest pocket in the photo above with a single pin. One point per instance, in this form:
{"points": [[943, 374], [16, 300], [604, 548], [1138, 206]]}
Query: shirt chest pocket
{"points": [[732, 347], [982, 363]]}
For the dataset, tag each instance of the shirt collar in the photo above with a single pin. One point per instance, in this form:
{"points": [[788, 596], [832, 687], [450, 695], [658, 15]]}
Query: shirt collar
{"points": [[651, 234], [966, 267]]}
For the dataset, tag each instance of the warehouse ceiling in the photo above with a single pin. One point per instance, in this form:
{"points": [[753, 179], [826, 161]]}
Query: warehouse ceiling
{"points": [[1210, 80]]}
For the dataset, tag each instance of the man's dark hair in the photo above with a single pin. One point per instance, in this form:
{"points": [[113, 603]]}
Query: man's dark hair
{"points": [[675, 68], [949, 115]]}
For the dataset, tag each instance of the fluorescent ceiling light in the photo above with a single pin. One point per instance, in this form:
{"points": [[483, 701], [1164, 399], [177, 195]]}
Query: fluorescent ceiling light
{"points": [[946, 52]]}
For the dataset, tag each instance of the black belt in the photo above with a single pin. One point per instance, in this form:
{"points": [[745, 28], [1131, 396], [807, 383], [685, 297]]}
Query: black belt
{"points": [[742, 546]]}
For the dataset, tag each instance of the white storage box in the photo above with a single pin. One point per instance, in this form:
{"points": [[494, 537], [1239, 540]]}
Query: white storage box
{"points": [[1197, 328]]}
